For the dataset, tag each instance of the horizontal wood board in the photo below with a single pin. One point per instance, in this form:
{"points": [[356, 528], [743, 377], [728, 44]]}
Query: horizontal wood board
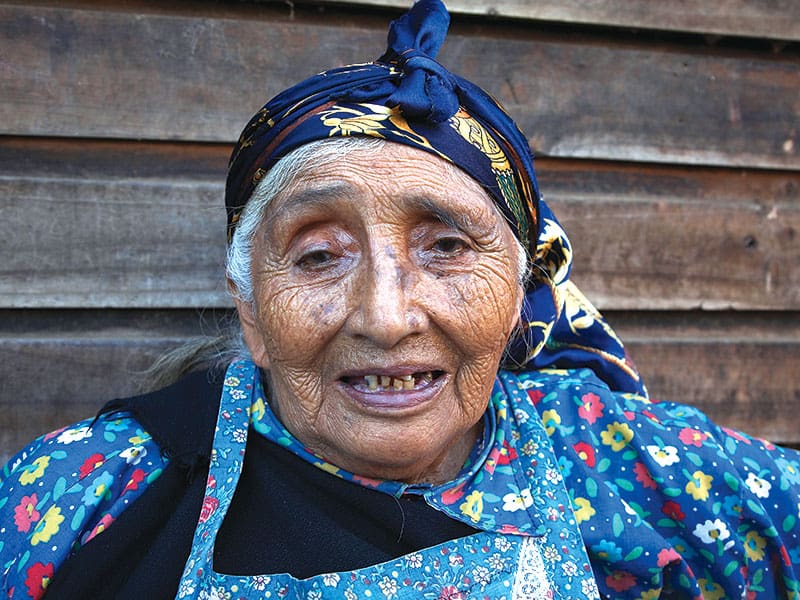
{"points": [[112, 224], [112, 74], [61, 366], [750, 18]]}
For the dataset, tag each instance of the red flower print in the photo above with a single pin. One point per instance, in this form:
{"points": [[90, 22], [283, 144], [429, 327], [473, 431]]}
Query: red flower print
{"points": [[451, 592], [210, 504], [591, 408], [454, 495], [736, 435], [133, 483], [673, 510], [643, 476], [692, 437], [535, 396], [619, 581], [39, 576], [585, 452], [666, 556], [91, 463], [25, 513], [101, 526], [651, 416]]}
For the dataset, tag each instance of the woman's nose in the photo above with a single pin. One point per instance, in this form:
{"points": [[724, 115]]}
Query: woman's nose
{"points": [[386, 304]]}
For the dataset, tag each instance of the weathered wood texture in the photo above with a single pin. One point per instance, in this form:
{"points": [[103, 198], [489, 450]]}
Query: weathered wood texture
{"points": [[180, 76], [672, 162], [143, 225], [769, 19], [62, 366]]}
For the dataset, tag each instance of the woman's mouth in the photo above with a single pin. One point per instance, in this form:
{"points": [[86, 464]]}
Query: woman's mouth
{"points": [[382, 382], [394, 390]]}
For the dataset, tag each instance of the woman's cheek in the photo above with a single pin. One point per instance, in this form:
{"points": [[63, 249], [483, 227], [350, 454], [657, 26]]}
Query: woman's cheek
{"points": [[297, 320]]}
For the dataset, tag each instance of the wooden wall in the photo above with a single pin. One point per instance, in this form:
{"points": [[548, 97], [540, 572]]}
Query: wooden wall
{"points": [[667, 135]]}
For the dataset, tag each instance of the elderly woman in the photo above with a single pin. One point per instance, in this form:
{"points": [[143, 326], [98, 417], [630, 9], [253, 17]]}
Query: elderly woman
{"points": [[389, 251]]}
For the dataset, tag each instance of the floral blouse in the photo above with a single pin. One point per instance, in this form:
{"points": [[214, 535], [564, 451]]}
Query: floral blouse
{"points": [[660, 499]]}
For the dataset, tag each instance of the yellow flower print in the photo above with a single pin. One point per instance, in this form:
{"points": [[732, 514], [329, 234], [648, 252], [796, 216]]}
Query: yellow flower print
{"points": [[617, 435], [473, 506], [47, 526], [258, 410], [711, 590], [754, 545], [583, 510], [33, 471], [699, 485], [551, 420], [650, 594]]}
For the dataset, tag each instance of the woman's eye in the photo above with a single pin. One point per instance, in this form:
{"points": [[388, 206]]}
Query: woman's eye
{"points": [[316, 258], [450, 245]]}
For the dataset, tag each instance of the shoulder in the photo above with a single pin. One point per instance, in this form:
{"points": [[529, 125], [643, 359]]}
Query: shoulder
{"points": [[67, 487], [70, 485], [663, 471]]}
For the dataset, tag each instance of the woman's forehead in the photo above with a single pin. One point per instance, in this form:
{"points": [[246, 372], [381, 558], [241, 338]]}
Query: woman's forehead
{"points": [[384, 177]]}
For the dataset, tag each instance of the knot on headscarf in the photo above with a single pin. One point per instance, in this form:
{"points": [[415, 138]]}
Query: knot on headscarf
{"points": [[426, 90]]}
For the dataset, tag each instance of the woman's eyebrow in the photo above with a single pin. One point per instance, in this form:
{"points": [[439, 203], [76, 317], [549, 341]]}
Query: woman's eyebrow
{"points": [[308, 197], [451, 218]]}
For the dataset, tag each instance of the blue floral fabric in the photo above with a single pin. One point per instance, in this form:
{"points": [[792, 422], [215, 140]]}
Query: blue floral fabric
{"points": [[64, 489], [662, 501]]}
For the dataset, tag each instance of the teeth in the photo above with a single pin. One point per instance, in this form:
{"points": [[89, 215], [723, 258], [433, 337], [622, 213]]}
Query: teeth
{"points": [[404, 382]]}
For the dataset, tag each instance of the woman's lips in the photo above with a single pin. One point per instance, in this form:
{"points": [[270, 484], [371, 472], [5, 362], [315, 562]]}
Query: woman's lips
{"points": [[385, 390]]}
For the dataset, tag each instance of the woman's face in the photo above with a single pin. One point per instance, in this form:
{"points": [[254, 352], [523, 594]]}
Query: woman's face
{"points": [[386, 287]]}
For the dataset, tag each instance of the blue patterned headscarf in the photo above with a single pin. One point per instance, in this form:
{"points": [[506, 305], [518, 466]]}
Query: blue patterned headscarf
{"points": [[407, 97]]}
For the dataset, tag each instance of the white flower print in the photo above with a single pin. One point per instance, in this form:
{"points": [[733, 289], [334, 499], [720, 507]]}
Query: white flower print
{"points": [[134, 454], [513, 502], [760, 487], [570, 568], [186, 589], [711, 531], [414, 560], [232, 381], [388, 586], [260, 582], [314, 595], [496, 562], [502, 544], [521, 416], [74, 435], [481, 575], [551, 553], [664, 455], [589, 588], [238, 394], [349, 594], [330, 579], [553, 475], [239, 435]]}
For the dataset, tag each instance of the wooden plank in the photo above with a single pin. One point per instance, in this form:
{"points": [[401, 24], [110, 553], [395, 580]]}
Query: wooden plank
{"points": [[652, 238], [778, 20], [58, 367], [116, 74], [86, 227]]}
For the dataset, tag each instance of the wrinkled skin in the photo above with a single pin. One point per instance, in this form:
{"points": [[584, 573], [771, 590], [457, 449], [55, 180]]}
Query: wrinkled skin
{"points": [[390, 262]]}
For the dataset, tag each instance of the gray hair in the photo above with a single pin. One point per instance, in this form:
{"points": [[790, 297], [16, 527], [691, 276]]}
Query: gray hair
{"points": [[219, 350]]}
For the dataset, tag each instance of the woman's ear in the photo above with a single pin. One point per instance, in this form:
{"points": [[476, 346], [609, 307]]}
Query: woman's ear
{"points": [[251, 332]]}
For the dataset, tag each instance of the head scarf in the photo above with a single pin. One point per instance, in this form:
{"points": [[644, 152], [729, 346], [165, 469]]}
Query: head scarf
{"points": [[407, 97]]}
